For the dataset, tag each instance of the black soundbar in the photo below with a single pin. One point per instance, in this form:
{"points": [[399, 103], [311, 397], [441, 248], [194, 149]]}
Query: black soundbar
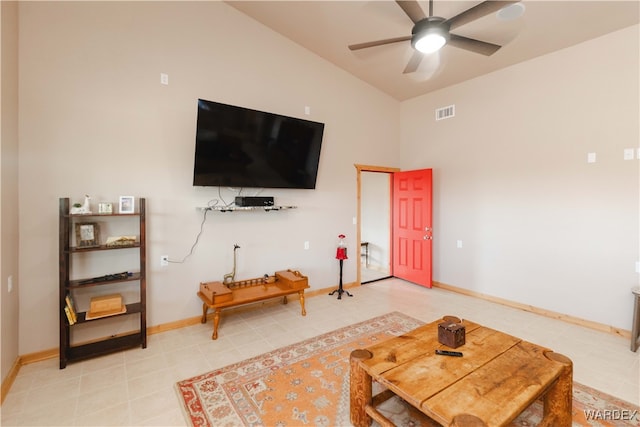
{"points": [[245, 201]]}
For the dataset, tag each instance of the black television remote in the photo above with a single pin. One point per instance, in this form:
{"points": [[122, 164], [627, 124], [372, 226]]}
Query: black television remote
{"points": [[449, 353]]}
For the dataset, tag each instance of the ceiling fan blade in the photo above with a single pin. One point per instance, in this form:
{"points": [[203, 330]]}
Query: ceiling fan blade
{"points": [[413, 63], [412, 9], [359, 46], [473, 45], [477, 12]]}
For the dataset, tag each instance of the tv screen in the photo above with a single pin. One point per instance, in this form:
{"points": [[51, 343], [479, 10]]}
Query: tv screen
{"points": [[240, 147]]}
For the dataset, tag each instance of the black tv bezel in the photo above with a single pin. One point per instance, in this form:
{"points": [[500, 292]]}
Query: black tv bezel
{"points": [[232, 180]]}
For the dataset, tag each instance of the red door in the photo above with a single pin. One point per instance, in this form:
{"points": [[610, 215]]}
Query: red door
{"points": [[412, 226]]}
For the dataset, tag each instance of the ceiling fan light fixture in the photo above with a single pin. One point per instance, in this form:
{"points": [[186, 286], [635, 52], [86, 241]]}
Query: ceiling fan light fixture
{"points": [[430, 34], [430, 43]]}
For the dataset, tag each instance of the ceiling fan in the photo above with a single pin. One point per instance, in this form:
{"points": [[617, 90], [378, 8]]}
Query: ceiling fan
{"points": [[430, 33]]}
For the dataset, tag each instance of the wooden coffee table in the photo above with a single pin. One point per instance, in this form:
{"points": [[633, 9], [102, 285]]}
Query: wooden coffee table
{"points": [[497, 378]]}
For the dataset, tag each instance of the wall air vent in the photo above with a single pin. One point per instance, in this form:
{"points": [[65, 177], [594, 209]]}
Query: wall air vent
{"points": [[445, 112]]}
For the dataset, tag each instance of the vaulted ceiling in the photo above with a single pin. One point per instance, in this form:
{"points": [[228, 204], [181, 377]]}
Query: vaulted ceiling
{"points": [[328, 27]]}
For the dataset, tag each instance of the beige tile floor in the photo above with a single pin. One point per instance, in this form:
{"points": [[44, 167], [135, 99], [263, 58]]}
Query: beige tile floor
{"points": [[136, 387]]}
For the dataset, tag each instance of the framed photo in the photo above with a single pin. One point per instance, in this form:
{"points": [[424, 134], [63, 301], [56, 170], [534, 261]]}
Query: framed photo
{"points": [[126, 205], [105, 208], [87, 235]]}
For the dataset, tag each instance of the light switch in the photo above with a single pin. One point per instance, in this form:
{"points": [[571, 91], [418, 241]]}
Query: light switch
{"points": [[591, 157], [629, 153]]}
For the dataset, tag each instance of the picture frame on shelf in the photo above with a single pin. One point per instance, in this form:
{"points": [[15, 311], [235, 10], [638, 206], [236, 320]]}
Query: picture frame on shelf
{"points": [[126, 205], [87, 235], [105, 208]]}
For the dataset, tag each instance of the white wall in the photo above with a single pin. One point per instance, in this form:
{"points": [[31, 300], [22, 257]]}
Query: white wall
{"points": [[539, 224], [9, 184], [95, 119]]}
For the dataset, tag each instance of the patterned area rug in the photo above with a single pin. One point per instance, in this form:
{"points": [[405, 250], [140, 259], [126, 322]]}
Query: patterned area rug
{"points": [[308, 384]]}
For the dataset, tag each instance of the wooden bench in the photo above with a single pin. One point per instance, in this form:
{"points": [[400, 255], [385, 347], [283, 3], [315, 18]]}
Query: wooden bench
{"points": [[216, 295]]}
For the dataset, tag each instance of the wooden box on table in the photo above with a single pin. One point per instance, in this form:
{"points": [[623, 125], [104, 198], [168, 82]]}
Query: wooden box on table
{"points": [[290, 279], [451, 334], [216, 292]]}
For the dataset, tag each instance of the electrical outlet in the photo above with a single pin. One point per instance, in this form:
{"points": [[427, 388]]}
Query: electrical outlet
{"points": [[164, 260], [628, 153]]}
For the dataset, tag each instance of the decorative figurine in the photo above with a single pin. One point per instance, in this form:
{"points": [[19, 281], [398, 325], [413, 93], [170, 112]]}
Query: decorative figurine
{"points": [[230, 277], [82, 209], [341, 255]]}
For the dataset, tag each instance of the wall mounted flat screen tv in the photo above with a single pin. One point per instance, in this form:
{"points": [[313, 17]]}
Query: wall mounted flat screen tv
{"points": [[240, 147]]}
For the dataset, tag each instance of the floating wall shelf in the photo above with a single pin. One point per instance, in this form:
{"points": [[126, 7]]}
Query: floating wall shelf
{"points": [[245, 208]]}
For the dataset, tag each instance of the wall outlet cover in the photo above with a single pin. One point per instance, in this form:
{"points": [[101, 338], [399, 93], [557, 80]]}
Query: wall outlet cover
{"points": [[629, 154]]}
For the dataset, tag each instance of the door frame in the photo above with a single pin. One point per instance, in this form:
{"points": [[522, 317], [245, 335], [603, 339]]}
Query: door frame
{"points": [[359, 169]]}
